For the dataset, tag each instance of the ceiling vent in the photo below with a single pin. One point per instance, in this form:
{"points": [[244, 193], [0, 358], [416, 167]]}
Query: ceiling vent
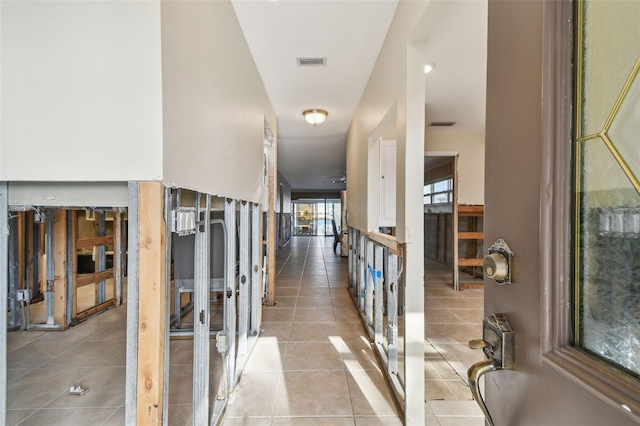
{"points": [[311, 62], [441, 123]]}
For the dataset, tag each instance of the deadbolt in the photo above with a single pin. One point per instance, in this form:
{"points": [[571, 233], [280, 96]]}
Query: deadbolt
{"points": [[498, 264]]}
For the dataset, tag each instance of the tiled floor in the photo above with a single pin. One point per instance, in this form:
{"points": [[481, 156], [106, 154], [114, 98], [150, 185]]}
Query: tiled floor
{"points": [[452, 318], [312, 366], [42, 366]]}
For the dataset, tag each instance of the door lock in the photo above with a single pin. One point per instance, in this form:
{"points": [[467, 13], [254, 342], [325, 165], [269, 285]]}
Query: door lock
{"points": [[498, 345], [498, 264]]}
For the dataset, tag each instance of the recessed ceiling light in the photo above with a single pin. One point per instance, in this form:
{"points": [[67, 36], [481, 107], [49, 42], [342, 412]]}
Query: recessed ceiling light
{"points": [[429, 66]]}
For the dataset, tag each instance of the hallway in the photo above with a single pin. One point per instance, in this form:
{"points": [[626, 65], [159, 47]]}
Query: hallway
{"points": [[313, 364]]}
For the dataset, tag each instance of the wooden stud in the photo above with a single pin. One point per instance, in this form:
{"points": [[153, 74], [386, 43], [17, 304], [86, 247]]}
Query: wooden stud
{"points": [[151, 327], [86, 279], [94, 241], [271, 226], [74, 260], [470, 235], [60, 267]]}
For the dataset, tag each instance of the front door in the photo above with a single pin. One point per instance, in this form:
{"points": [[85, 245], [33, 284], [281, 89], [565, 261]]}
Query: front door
{"points": [[561, 188]]}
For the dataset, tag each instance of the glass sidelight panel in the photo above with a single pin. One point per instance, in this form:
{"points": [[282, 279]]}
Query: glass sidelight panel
{"points": [[607, 168]]}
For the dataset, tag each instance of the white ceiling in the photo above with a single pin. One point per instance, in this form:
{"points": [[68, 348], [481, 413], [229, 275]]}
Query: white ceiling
{"points": [[456, 88], [350, 34]]}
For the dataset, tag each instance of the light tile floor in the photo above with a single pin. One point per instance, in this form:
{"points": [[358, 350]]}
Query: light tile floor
{"points": [[452, 318], [312, 366]]}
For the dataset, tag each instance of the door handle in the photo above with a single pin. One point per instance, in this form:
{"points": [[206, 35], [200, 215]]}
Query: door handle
{"points": [[497, 343]]}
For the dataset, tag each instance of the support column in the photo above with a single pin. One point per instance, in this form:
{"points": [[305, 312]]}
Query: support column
{"points": [[201, 311], [230, 290], [256, 272], [243, 302], [369, 283], [151, 306], [379, 294], [4, 289], [131, 385], [271, 225], [60, 267], [410, 225], [101, 261], [14, 272], [117, 256], [72, 288]]}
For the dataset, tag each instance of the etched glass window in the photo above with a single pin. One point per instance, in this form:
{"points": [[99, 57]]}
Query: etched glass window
{"points": [[607, 168]]}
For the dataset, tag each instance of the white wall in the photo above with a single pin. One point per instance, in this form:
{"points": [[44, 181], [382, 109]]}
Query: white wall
{"points": [[398, 80], [81, 91], [470, 146], [214, 102], [387, 87]]}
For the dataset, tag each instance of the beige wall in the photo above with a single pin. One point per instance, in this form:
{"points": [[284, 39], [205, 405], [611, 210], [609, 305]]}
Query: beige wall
{"points": [[214, 102], [81, 91], [393, 105], [387, 87], [470, 147], [130, 90]]}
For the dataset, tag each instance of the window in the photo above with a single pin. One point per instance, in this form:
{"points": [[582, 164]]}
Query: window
{"points": [[607, 202], [439, 192]]}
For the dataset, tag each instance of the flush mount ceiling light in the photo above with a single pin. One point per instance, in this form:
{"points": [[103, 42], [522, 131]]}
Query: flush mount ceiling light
{"points": [[315, 116], [429, 66]]}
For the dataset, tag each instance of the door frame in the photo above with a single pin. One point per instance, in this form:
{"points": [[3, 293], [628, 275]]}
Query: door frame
{"points": [[556, 197]]}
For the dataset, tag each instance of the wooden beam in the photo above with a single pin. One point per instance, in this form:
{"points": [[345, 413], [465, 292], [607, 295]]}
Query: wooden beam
{"points": [[271, 224], [470, 235], [471, 211], [86, 279], [470, 262], [60, 267], [95, 309], [74, 260], [388, 241], [94, 241], [151, 327]]}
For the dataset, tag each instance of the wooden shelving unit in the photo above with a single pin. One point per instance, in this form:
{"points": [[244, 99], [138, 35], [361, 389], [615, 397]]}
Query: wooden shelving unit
{"points": [[475, 215]]}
